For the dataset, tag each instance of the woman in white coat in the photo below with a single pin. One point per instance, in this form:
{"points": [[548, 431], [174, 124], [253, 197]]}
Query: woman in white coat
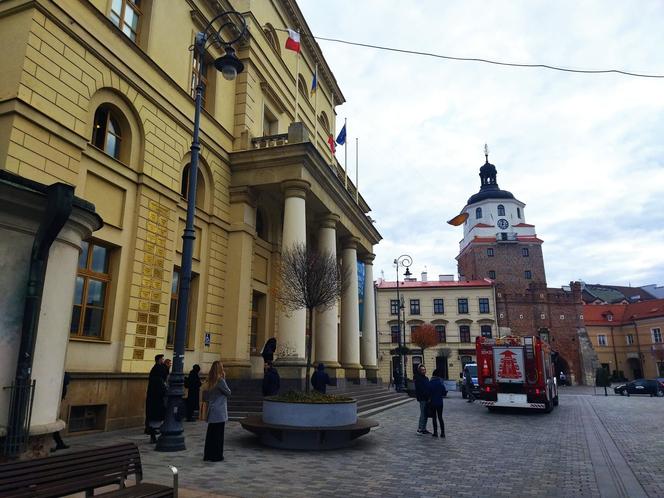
{"points": [[215, 395]]}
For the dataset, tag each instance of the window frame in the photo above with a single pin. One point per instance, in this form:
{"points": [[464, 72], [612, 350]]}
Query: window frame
{"points": [[463, 330], [656, 333], [490, 252], [525, 252], [88, 274], [441, 330], [121, 19], [501, 210], [414, 306], [484, 333], [110, 114], [492, 274], [395, 332], [465, 305], [602, 340], [528, 275], [484, 306], [478, 213], [438, 306], [629, 339], [394, 303]]}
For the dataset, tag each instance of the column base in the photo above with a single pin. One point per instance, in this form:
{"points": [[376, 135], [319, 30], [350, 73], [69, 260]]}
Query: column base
{"points": [[372, 374], [354, 374]]}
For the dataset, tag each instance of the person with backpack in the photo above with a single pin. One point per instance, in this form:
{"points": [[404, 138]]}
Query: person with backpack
{"points": [[437, 391]]}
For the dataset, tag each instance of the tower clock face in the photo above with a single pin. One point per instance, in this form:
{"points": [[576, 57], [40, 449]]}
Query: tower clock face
{"points": [[503, 223]]}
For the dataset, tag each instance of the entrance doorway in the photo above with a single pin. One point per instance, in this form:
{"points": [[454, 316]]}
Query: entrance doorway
{"points": [[635, 366], [442, 367], [396, 370]]}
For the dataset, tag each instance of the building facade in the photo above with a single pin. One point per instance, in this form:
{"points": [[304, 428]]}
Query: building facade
{"points": [[500, 245], [628, 338], [459, 311], [98, 94]]}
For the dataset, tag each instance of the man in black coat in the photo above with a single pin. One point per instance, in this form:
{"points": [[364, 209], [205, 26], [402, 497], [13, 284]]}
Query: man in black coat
{"points": [[271, 380], [422, 394], [155, 408], [193, 384]]}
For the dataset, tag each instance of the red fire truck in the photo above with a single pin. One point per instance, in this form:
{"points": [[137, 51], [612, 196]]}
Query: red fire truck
{"points": [[516, 372]]}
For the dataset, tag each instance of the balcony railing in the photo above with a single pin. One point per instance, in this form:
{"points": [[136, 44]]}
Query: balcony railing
{"points": [[506, 237], [269, 141]]}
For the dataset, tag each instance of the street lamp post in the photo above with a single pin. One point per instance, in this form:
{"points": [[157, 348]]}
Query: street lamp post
{"points": [[231, 23], [405, 261]]}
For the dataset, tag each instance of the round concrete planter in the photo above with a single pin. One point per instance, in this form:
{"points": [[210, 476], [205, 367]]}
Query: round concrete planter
{"points": [[309, 414]]}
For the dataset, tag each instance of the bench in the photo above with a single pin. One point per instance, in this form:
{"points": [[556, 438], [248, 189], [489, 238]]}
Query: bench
{"points": [[82, 471]]}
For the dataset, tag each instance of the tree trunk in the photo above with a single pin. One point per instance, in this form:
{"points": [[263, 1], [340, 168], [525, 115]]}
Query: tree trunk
{"points": [[308, 350]]}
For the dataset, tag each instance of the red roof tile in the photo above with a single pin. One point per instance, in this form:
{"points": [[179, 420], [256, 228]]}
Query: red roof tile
{"points": [[595, 314], [524, 225], [482, 225]]}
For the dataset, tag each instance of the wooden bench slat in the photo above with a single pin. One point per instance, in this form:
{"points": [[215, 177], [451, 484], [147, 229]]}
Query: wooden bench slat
{"points": [[144, 489]]}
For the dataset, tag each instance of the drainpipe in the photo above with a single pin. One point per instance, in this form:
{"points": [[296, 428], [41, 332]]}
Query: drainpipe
{"points": [[59, 200], [638, 348], [615, 354]]}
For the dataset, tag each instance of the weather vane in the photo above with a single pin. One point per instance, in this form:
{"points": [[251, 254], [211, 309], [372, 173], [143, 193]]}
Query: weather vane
{"points": [[486, 152]]}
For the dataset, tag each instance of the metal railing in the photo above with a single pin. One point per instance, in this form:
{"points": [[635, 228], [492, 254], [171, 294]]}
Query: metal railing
{"points": [[21, 397]]}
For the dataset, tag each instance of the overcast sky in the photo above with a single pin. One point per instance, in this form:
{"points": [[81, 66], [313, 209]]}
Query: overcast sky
{"points": [[584, 152]]}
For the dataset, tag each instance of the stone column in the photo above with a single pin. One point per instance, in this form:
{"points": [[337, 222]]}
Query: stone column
{"points": [[235, 355], [325, 339], [350, 313], [368, 340], [292, 324]]}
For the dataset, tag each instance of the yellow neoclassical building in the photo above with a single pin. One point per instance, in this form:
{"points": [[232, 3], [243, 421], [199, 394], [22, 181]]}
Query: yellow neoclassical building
{"points": [[98, 94], [459, 310]]}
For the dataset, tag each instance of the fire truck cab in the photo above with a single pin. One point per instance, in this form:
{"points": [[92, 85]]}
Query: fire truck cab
{"points": [[516, 372]]}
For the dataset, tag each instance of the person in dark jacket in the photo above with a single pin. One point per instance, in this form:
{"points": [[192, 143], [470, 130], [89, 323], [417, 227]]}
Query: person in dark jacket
{"points": [[271, 380], [59, 443], [193, 385], [422, 395], [155, 408], [437, 390], [320, 379]]}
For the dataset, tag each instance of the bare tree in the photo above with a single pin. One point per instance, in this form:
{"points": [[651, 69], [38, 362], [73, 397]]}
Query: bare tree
{"points": [[425, 336], [311, 280]]}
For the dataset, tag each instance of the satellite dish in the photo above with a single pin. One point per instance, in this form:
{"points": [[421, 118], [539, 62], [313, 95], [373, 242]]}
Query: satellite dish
{"points": [[459, 219]]}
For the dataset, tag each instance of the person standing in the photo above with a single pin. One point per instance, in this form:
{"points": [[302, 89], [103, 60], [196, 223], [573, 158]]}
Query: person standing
{"points": [[271, 380], [155, 408], [422, 394], [193, 384], [215, 395], [320, 379], [469, 384], [437, 391]]}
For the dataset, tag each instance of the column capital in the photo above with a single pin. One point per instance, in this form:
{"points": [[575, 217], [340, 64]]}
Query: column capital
{"points": [[242, 194], [350, 242], [295, 188], [328, 220], [368, 258]]}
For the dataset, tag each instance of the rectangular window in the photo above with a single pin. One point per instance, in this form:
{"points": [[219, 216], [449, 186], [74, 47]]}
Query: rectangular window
{"points": [[414, 306], [489, 252], [90, 294], [656, 335], [462, 305], [528, 275], [601, 340], [394, 306], [126, 15], [484, 304], [173, 311], [492, 274], [464, 333], [438, 306], [486, 331], [270, 123], [395, 336], [630, 339], [442, 335], [206, 77], [525, 252]]}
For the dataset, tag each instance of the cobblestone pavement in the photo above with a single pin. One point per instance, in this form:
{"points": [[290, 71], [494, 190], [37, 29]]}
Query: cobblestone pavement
{"points": [[589, 446]]}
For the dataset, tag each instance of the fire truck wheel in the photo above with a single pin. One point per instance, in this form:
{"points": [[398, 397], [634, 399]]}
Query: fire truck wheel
{"points": [[555, 401], [548, 407], [491, 408]]}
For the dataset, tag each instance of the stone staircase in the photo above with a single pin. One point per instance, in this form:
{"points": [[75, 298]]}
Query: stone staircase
{"points": [[371, 399]]}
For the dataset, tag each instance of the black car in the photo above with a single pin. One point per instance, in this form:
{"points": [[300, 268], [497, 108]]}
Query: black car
{"points": [[641, 386]]}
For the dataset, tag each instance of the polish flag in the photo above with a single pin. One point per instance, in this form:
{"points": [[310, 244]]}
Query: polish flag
{"points": [[330, 141], [293, 42]]}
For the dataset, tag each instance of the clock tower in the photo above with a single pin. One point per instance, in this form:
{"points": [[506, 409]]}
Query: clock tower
{"points": [[497, 242]]}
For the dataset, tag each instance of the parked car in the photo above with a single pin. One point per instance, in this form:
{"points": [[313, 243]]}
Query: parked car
{"points": [[470, 369], [641, 386]]}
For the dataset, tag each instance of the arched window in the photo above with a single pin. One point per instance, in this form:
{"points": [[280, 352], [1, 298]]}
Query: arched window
{"points": [[518, 213], [478, 213], [302, 86], [106, 132], [200, 187], [272, 38], [325, 122], [501, 210]]}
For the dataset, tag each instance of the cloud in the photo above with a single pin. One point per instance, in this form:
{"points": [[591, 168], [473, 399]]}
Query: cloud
{"points": [[584, 152]]}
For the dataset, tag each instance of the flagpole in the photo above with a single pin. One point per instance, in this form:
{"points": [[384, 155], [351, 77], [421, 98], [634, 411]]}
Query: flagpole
{"points": [[316, 107], [345, 157], [357, 182], [297, 80]]}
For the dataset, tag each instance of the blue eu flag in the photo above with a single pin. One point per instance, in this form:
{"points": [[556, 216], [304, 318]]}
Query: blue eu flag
{"points": [[341, 139]]}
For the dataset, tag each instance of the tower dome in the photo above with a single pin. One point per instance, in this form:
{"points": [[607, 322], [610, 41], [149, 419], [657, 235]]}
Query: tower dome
{"points": [[489, 185]]}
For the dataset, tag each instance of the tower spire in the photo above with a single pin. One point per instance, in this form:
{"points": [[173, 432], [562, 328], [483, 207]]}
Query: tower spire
{"points": [[486, 153]]}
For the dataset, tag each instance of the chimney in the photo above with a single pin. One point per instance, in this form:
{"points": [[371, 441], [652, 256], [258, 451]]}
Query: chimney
{"points": [[424, 276], [446, 278]]}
